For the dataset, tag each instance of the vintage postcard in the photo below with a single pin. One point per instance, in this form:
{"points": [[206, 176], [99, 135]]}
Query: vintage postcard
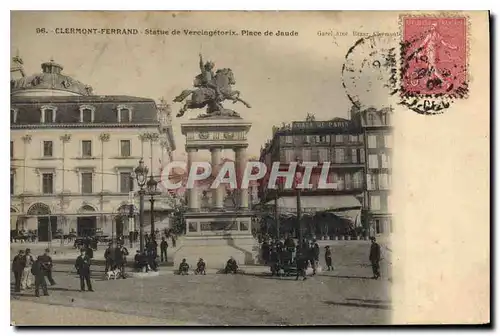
{"points": [[249, 168]]}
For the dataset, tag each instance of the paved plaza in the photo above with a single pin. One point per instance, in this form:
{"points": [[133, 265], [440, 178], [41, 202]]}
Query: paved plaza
{"points": [[345, 296]]}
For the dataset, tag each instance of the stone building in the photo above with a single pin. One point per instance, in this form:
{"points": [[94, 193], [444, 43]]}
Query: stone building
{"points": [[72, 154], [377, 129], [338, 141]]}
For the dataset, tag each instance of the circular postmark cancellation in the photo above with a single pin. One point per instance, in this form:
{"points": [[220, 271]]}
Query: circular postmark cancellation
{"points": [[424, 69], [369, 73]]}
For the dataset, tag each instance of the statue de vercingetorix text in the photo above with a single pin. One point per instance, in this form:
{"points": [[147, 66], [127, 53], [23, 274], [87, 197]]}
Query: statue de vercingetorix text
{"points": [[211, 90]]}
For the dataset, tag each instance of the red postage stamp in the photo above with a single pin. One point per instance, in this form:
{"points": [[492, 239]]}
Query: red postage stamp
{"points": [[434, 56]]}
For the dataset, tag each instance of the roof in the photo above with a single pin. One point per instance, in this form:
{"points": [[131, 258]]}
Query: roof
{"points": [[144, 110]]}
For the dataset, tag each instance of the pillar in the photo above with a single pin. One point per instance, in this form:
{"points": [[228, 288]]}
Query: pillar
{"points": [[240, 158], [193, 203], [218, 194]]}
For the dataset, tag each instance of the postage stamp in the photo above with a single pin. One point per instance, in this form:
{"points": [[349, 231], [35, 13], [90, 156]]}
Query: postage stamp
{"points": [[434, 54]]}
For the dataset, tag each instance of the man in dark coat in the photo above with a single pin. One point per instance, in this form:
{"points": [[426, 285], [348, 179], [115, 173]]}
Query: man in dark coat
{"points": [[231, 266], [200, 267], [163, 249], [47, 266], [82, 266], [18, 265], [39, 273], [328, 258], [122, 255], [108, 257], [301, 260], [315, 256], [375, 258]]}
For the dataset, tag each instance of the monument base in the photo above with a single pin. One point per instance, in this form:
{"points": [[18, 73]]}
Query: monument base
{"points": [[216, 237]]}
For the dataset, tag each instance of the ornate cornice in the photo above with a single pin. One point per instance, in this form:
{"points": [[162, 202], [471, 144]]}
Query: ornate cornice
{"points": [[80, 125]]}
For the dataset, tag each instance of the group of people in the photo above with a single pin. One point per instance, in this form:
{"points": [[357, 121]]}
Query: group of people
{"points": [[25, 267], [231, 267]]}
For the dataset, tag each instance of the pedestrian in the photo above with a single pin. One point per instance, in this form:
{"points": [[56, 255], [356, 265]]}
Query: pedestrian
{"points": [[183, 267], [173, 240], [39, 272], [108, 257], [82, 266], [47, 266], [163, 249], [375, 258], [27, 276], [328, 258], [315, 256], [122, 254], [18, 265], [200, 267], [231, 266], [301, 263]]}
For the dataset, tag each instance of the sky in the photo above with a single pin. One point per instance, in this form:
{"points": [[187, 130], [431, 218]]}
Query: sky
{"points": [[283, 78]]}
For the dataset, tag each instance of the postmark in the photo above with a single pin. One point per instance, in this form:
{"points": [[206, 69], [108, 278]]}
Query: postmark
{"points": [[370, 71], [434, 62]]}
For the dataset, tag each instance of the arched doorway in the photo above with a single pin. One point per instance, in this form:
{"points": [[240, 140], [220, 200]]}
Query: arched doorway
{"points": [[86, 223], [121, 220], [46, 224]]}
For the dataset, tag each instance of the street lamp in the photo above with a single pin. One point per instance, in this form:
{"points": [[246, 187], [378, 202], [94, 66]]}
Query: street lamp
{"points": [[277, 195], [152, 186], [141, 171], [298, 176]]}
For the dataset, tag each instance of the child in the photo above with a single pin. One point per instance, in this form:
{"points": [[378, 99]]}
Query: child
{"points": [[328, 258]]}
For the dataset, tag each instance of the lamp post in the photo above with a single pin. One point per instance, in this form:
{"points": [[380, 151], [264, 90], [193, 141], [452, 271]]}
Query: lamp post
{"points": [[298, 176], [279, 189], [152, 186], [141, 171], [131, 233]]}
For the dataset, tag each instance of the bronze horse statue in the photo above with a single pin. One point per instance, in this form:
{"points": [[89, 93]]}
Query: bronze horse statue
{"points": [[205, 96]]}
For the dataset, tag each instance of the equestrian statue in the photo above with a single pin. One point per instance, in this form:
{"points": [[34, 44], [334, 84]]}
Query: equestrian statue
{"points": [[211, 89]]}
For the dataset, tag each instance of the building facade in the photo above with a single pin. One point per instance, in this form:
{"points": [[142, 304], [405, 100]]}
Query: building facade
{"points": [[73, 153], [378, 139], [339, 142]]}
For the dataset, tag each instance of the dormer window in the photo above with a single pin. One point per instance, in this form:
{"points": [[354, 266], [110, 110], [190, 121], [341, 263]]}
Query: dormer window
{"points": [[48, 114], [124, 114], [371, 119], [87, 114], [13, 115]]}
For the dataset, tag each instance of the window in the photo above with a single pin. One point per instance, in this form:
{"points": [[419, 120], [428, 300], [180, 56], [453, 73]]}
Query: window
{"points": [[12, 149], [339, 155], [48, 183], [371, 119], [124, 148], [362, 155], [372, 141], [86, 183], [371, 181], [126, 183], [322, 138], [339, 179], [353, 138], [339, 138], [124, 114], [378, 226], [323, 154], [87, 116], [307, 139], [47, 149], [388, 141], [383, 181], [348, 181], [13, 115], [288, 139], [86, 148], [314, 154], [372, 161], [12, 181], [289, 157], [48, 114], [375, 202], [306, 154], [354, 155], [357, 180], [384, 161]]}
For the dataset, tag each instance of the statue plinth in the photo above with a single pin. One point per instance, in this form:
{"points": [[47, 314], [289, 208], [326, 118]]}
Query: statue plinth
{"points": [[217, 234]]}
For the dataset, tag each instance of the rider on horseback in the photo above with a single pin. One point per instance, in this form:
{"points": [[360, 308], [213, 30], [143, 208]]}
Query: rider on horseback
{"points": [[208, 76]]}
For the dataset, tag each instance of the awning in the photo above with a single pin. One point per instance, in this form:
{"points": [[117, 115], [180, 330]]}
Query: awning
{"points": [[345, 206]]}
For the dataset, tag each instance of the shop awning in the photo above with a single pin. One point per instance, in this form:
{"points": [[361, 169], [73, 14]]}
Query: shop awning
{"points": [[345, 206]]}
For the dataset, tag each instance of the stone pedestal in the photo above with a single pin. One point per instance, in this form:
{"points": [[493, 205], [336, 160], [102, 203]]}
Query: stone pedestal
{"points": [[217, 234]]}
